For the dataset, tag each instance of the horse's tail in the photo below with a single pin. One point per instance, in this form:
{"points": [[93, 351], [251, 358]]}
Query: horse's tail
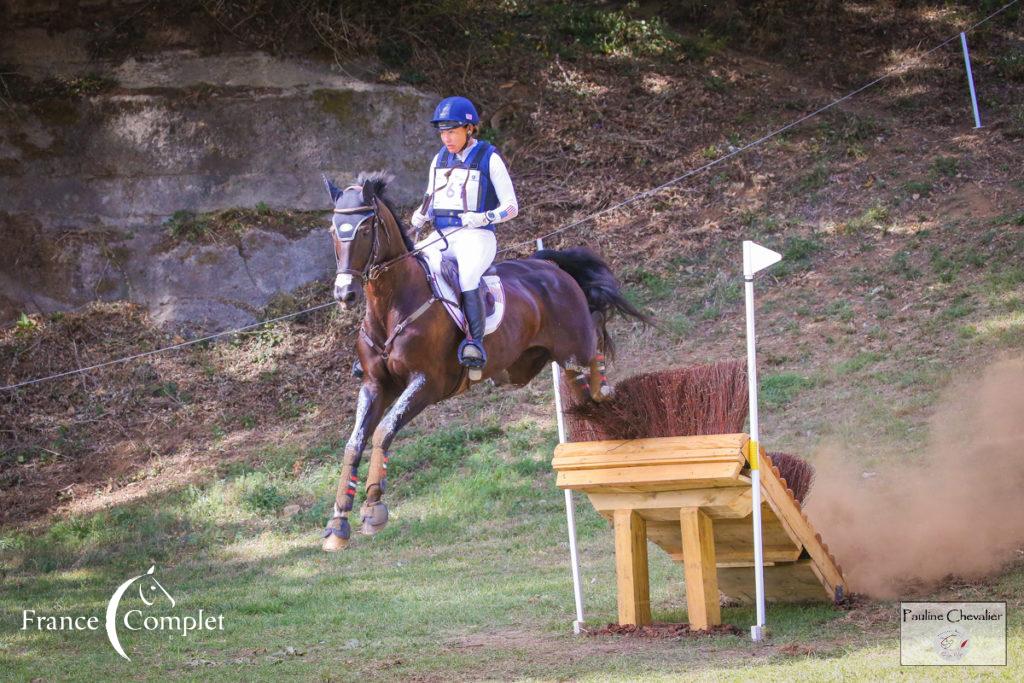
{"points": [[599, 285]]}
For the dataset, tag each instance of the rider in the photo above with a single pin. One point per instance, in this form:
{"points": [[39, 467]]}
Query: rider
{"points": [[468, 192]]}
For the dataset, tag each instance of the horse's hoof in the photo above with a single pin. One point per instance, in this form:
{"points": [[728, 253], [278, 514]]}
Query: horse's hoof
{"points": [[475, 374], [333, 544], [375, 517], [336, 535]]}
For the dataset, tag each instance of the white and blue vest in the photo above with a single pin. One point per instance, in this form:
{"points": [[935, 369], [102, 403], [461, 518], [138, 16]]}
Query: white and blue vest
{"points": [[462, 186]]}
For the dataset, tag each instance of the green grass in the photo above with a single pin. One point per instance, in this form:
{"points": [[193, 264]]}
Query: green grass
{"points": [[778, 390], [797, 255], [469, 580], [876, 217], [859, 362]]}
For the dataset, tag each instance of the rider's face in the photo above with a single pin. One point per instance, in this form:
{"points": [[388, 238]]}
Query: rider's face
{"points": [[455, 139]]}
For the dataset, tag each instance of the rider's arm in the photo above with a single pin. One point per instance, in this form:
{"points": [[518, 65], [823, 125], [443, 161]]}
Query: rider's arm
{"points": [[419, 216], [508, 207]]}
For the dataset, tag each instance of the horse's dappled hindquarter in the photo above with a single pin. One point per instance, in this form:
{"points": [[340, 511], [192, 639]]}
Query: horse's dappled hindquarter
{"points": [[556, 304]]}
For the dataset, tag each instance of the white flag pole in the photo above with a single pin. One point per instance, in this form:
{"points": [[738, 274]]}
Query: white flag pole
{"points": [[755, 258], [570, 514], [970, 79]]}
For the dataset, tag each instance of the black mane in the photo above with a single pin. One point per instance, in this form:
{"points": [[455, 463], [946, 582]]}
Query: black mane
{"points": [[374, 184]]}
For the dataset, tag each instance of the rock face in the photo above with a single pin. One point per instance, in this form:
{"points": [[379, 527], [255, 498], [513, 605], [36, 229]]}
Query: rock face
{"points": [[93, 164]]}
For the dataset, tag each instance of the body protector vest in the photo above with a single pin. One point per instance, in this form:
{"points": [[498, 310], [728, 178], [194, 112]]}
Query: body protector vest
{"points": [[461, 186]]}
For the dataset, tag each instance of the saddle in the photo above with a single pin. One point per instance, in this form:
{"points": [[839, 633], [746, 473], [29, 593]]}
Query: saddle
{"points": [[445, 286]]}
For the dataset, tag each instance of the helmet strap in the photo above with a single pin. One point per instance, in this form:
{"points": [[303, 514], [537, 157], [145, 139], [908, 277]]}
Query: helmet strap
{"points": [[469, 137]]}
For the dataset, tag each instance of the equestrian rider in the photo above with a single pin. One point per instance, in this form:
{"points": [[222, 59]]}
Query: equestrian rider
{"points": [[469, 191]]}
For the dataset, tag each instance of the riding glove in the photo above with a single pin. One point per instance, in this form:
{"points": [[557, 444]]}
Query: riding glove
{"points": [[472, 219], [418, 219]]}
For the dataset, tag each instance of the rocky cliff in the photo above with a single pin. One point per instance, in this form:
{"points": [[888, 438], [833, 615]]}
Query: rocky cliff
{"points": [[97, 153]]}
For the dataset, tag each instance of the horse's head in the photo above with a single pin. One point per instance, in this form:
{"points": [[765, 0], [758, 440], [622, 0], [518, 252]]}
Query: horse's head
{"points": [[354, 236], [150, 589], [365, 232]]}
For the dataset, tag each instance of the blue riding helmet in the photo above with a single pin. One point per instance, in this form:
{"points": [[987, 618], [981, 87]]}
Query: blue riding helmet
{"points": [[453, 112]]}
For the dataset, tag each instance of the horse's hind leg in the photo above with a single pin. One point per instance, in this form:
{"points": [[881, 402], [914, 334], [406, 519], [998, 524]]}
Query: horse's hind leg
{"points": [[416, 396], [599, 387]]}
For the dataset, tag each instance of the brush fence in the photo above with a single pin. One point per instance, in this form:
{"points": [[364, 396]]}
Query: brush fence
{"points": [[691, 496]]}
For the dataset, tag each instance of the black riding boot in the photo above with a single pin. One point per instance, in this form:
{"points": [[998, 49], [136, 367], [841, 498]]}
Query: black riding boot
{"points": [[471, 351]]}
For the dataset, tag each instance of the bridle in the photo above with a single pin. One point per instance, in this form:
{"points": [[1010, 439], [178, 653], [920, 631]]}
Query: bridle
{"points": [[370, 271]]}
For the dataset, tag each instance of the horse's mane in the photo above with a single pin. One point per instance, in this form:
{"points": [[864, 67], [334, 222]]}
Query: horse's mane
{"points": [[374, 184]]}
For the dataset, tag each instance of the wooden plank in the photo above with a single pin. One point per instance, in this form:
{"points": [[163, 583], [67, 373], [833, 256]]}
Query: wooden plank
{"points": [[634, 598], [800, 527], [664, 505], [614, 449], [789, 582], [650, 474], [667, 536], [668, 456], [699, 569], [659, 487], [734, 538]]}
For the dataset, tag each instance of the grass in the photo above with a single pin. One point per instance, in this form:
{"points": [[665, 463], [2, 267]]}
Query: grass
{"points": [[876, 217], [797, 255], [778, 390], [862, 360], [468, 581]]}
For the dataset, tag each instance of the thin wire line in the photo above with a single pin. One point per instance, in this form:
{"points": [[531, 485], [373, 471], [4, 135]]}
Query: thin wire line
{"points": [[625, 202], [759, 141], [166, 348]]}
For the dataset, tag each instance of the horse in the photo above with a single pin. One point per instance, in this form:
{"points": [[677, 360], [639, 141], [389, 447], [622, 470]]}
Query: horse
{"points": [[556, 305]]}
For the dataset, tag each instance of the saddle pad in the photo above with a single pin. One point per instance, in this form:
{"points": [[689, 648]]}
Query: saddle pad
{"points": [[497, 292]]}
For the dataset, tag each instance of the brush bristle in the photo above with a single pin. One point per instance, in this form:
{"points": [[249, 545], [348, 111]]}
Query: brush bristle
{"points": [[703, 399]]}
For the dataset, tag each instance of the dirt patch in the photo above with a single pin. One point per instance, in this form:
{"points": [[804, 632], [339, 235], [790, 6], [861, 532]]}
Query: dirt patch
{"points": [[120, 433], [664, 630]]}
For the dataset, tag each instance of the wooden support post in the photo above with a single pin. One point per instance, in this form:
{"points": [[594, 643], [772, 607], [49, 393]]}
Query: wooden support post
{"points": [[634, 593], [699, 568]]}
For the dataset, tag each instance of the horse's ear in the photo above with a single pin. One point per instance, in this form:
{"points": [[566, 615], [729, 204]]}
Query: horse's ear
{"points": [[380, 207], [332, 188]]}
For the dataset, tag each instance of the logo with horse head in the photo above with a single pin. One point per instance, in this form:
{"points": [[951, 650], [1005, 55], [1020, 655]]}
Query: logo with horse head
{"points": [[150, 590]]}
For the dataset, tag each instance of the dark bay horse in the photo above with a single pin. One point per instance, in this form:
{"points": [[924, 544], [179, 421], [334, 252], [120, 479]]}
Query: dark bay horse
{"points": [[556, 305]]}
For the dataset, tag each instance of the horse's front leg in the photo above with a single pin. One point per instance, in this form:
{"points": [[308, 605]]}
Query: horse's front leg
{"points": [[373, 401], [417, 395]]}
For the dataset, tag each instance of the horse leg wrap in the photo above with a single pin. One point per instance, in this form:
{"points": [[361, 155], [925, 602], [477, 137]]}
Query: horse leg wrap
{"points": [[377, 478], [348, 482], [599, 389], [374, 512]]}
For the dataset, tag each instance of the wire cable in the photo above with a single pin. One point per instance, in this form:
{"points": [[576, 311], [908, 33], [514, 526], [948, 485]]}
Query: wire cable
{"points": [[626, 202]]}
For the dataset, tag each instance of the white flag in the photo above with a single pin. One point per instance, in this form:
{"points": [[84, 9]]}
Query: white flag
{"points": [[756, 257]]}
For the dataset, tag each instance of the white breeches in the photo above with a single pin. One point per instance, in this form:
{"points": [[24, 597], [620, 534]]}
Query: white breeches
{"points": [[473, 249]]}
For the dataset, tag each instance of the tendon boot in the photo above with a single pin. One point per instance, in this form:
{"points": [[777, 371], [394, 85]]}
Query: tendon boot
{"points": [[471, 350]]}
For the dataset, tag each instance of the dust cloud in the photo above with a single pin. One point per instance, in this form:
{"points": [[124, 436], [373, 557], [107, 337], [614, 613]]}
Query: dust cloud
{"points": [[958, 509]]}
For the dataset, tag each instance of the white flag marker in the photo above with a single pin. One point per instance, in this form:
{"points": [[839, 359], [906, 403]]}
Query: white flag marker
{"points": [[570, 515], [755, 258], [970, 79]]}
